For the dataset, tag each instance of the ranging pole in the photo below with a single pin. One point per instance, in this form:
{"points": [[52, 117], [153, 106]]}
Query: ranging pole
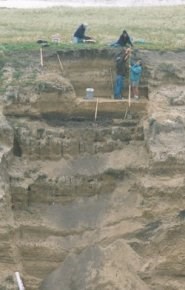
{"points": [[112, 85], [129, 88]]}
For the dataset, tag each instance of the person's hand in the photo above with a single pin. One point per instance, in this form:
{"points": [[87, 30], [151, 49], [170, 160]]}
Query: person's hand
{"points": [[128, 50]]}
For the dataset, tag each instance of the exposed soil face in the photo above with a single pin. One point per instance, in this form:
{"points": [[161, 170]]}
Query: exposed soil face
{"points": [[85, 203]]}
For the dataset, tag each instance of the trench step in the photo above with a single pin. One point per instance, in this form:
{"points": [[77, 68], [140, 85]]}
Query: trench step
{"points": [[125, 122]]}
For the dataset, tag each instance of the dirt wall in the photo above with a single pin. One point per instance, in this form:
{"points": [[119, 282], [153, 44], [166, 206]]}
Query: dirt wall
{"points": [[92, 203]]}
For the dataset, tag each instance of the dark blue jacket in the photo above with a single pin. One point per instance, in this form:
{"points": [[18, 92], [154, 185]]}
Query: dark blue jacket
{"points": [[121, 65], [124, 39], [80, 32]]}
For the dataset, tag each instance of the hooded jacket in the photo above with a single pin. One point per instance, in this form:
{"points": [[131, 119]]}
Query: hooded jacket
{"points": [[136, 71], [124, 39], [80, 32], [121, 65]]}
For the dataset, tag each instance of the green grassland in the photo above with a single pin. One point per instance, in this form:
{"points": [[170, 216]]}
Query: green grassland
{"points": [[160, 27]]}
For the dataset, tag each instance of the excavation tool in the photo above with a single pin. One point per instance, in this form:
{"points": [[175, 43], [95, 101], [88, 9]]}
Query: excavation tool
{"points": [[43, 43]]}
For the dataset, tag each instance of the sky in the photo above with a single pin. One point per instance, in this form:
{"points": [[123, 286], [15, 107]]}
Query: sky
{"points": [[50, 3]]}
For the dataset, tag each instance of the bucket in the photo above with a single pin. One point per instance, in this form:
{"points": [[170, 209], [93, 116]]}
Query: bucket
{"points": [[89, 93]]}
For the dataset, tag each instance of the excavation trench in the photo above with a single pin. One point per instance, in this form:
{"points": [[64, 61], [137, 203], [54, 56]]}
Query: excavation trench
{"points": [[89, 194]]}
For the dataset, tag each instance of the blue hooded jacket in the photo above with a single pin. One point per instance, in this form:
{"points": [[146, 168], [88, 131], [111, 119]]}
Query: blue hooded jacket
{"points": [[135, 71]]}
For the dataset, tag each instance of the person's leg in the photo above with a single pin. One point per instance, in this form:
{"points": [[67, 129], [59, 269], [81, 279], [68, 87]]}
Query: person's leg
{"points": [[77, 40], [134, 91], [137, 91], [123, 85], [87, 37], [114, 44], [118, 86]]}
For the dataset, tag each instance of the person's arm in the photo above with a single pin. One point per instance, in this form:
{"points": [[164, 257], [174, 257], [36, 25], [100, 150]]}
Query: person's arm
{"points": [[127, 54], [80, 32], [120, 40], [136, 69], [129, 41]]}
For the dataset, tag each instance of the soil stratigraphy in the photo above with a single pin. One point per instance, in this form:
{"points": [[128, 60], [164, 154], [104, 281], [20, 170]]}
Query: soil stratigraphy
{"points": [[92, 204]]}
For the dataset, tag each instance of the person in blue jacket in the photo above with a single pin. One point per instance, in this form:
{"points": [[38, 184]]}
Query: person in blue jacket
{"points": [[135, 76], [79, 35]]}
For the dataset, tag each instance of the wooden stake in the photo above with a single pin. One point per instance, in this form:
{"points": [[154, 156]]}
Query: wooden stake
{"points": [[129, 96], [126, 113], [60, 63], [129, 89], [19, 281], [111, 81], [41, 57], [96, 110]]}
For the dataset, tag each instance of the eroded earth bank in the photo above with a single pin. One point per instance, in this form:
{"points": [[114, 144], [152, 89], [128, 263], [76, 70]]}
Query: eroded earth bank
{"points": [[91, 204]]}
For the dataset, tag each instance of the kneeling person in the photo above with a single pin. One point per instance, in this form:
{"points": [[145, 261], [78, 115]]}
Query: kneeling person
{"points": [[79, 35]]}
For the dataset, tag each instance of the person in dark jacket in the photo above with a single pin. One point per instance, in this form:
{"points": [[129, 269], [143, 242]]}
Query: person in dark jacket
{"points": [[120, 73], [79, 35], [124, 40]]}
